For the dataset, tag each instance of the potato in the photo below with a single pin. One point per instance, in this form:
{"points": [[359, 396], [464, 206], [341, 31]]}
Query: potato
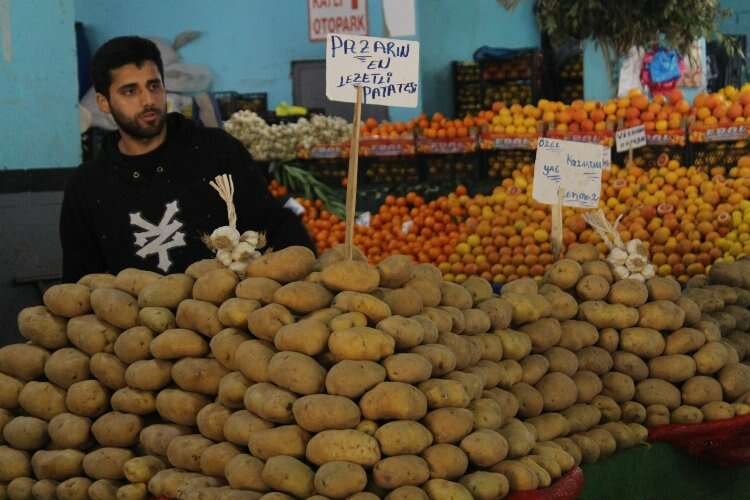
{"points": [[727, 323], [458, 320], [686, 414], [394, 401], [661, 315], [499, 310], [519, 437], [455, 295], [215, 457], [13, 464], [241, 424], [633, 411], [604, 439], [609, 339], [59, 464], [234, 311], [87, 398], [474, 384], [134, 344], [530, 400], [42, 400], [69, 431], [521, 285], [644, 342], [700, 390], [340, 479], [710, 329], [543, 333], [173, 483], [410, 368], [581, 417], [479, 288], [505, 373], [727, 293], [353, 378], [527, 308], [115, 307], [466, 352], [575, 335], [562, 305], [199, 316], [441, 318], [546, 462], [374, 309], [477, 322], [589, 385], [142, 469], [307, 336], [711, 358], [211, 420], [156, 319], [487, 414], [598, 268], [684, 341], [225, 344], [403, 470], [589, 448], [41, 326], [132, 280], [449, 425], [571, 448], [252, 358], [167, 291], [245, 472], [735, 380], [184, 452], [705, 299], [109, 370], [558, 391], [657, 415], [516, 345], [67, 300], [534, 368], [347, 444], [119, 430], [296, 372], [654, 391], [266, 321], [75, 488], [592, 287], [67, 366], [92, 335], [180, 407], [406, 332], [215, 286], [442, 393], [428, 292], [692, 311], [20, 489], [258, 289], [631, 365], [45, 489], [623, 434], [582, 253], [505, 399], [10, 388], [561, 360], [352, 275], [132, 492], [446, 461], [270, 402], [321, 412], [361, 344], [404, 437], [347, 320], [564, 273], [618, 386], [149, 375], [628, 292], [407, 493], [485, 485], [134, 401], [102, 489], [663, 289], [717, 410], [672, 368], [519, 475], [603, 315], [610, 410], [491, 346], [550, 426], [290, 264], [25, 433], [595, 359], [303, 297], [178, 343]]}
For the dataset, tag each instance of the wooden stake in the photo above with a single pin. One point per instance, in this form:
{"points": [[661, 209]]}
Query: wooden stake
{"points": [[630, 157], [557, 224], [351, 183]]}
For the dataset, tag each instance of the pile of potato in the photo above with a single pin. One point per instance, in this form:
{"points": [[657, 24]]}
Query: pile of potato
{"points": [[329, 378]]}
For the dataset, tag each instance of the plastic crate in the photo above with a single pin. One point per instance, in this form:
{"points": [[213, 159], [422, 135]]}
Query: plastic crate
{"points": [[252, 101], [397, 170], [502, 163]]}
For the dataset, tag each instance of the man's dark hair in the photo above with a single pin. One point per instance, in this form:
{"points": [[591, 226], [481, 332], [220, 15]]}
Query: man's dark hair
{"points": [[118, 52]]}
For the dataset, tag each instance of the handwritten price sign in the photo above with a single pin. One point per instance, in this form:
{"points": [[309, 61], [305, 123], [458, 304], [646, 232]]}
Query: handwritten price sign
{"points": [[575, 166], [630, 138], [386, 69]]}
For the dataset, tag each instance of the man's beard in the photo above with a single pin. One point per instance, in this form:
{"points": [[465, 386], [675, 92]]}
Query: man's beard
{"points": [[131, 126]]}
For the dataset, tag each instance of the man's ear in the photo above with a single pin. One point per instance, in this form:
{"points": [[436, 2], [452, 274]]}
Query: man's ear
{"points": [[103, 103]]}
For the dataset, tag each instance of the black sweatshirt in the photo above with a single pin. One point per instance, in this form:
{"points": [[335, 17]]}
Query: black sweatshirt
{"points": [[150, 211]]}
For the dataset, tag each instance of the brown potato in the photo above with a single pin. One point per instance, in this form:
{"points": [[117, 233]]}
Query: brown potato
{"points": [[265, 322], [485, 485], [133, 344], [654, 391], [582, 417], [132, 280], [446, 461], [686, 414], [633, 411], [661, 315], [544, 333], [211, 420], [361, 344], [149, 374], [353, 378], [604, 439], [550, 426], [116, 429], [717, 410], [711, 358], [180, 407], [241, 424], [402, 301], [410, 368], [348, 445], [142, 469], [603, 315], [67, 366], [234, 311], [534, 368], [245, 472], [42, 400], [270, 403], [455, 295], [644, 342], [108, 370], [609, 339], [628, 292], [528, 307], [575, 335], [288, 440], [393, 401], [735, 380], [87, 398], [199, 316], [564, 273], [287, 265], [561, 360], [595, 359], [25, 433], [252, 358], [156, 319], [167, 291], [296, 372], [592, 287], [505, 399], [563, 306], [499, 310], [403, 470], [618, 386], [303, 297], [115, 307], [259, 289], [520, 476], [339, 479], [530, 401], [92, 335], [375, 309], [598, 268], [657, 415], [449, 425], [428, 291], [672, 368], [352, 275], [184, 452], [39, 325], [487, 414], [69, 431], [558, 391], [631, 365], [58, 465], [178, 343], [589, 385], [75, 488], [663, 289], [701, 390], [684, 341]]}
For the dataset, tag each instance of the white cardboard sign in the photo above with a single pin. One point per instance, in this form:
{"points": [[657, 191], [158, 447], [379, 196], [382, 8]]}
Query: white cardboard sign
{"points": [[387, 69], [336, 16], [575, 166], [630, 138]]}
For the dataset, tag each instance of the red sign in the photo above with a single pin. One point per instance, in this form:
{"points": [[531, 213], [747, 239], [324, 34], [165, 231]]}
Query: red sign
{"points": [[345, 17]]}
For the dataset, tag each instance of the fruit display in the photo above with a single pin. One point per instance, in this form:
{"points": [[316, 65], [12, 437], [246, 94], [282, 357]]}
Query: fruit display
{"points": [[721, 116], [332, 171], [397, 170], [516, 68], [571, 79], [580, 118], [501, 163], [371, 129], [655, 155], [468, 99], [719, 154], [335, 377], [509, 92]]}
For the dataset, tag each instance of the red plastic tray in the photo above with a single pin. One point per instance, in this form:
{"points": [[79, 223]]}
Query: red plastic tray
{"points": [[568, 487], [725, 442]]}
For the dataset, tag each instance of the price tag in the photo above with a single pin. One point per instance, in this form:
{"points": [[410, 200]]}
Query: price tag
{"points": [[630, 138], [574, 166]]}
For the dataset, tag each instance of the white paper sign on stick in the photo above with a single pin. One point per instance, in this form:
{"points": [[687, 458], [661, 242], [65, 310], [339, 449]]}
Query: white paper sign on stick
{"points": [[630, 138], [387, 70], [575, 166]]}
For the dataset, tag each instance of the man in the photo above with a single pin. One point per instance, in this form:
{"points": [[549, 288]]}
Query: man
{"points": [[145, 202]]}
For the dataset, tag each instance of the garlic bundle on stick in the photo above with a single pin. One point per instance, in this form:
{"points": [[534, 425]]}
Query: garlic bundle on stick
{"points": [[628, 261], [233, 250]]}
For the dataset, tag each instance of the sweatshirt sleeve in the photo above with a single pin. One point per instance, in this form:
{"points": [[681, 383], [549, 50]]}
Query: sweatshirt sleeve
{"points": [[255, 203], [81, 253]]}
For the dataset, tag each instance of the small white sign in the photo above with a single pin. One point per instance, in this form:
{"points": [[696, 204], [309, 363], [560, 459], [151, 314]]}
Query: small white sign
{"points": [[575, 166], [606, 158], [630, 138], [387, 69], [348, 17]]}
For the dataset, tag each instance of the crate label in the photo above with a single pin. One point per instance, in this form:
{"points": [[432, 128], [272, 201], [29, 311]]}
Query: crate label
{"points": [[726, 134], [630, 138]]}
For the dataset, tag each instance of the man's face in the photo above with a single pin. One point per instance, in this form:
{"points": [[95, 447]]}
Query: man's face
{"points": [[137, 100]]}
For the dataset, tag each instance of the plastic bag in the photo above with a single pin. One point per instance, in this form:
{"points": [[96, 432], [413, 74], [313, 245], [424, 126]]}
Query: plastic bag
{"points": [[630, 72], [665, 66], [725, 442]]}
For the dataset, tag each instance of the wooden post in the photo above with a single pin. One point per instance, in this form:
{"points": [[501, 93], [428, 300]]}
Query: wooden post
{"points": [[351, 183], [557, 225], [630, 157]]}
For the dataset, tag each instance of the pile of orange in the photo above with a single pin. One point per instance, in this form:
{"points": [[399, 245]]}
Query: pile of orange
{"points": [[514, 120], [440, 127], [579, 116], [662, 114], [277, 189], [722, 109], [371, 129]]}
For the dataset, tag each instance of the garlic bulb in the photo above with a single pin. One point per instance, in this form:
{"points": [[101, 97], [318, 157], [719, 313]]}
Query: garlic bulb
{"points": [[243, 251], [635, 263], [621, 272], [649, 271], [225, 237], [617, 256], [636, 247], [225, 257]]}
